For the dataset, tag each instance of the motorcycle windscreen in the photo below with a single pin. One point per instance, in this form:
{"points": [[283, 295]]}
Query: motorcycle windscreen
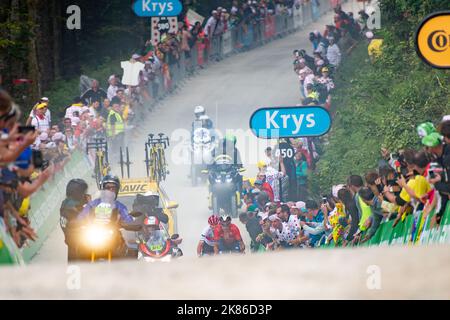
{"points": [[157, 244]]}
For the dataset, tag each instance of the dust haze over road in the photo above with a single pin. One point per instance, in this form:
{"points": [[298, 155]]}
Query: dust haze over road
{"points": [[231, 91]]}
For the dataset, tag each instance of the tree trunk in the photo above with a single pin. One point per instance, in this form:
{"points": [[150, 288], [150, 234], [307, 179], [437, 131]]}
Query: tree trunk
{"points": [[56, 19], [33, 60]]}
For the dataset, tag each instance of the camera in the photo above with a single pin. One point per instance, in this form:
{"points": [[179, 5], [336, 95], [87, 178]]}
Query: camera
{"points": [[434, 168], [38, 160]]}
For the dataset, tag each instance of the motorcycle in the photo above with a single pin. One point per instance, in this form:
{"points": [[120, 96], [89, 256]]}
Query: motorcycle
{"points": [[224, 179], [201, 153], [100, 238], [159, 247]]}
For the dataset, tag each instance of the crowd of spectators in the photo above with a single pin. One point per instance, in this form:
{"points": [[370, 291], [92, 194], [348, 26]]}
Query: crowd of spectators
{"points": [[279, 210], [404, 183], [315, 71], [22, 170]]}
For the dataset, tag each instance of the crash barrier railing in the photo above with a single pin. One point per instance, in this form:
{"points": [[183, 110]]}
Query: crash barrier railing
{"points": [[244, 36], [44, 212], [415, 229]]}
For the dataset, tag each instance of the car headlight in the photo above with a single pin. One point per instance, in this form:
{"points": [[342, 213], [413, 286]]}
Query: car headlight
{"points": [[97, 236], [229, 180], [218, 180]]}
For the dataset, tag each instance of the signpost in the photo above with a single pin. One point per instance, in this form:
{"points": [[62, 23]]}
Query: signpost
{"points": [[290, 122], [157, 8], [163, 15]]}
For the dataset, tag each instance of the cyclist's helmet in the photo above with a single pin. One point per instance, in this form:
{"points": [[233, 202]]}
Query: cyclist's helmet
{"points": [[111, 179], [225, 218], [199, 111], [213, 220], [76, 189], [434, 139], [424, 129]]}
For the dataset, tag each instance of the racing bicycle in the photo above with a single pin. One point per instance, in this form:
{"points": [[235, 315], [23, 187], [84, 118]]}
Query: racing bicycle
{"points": [[155, 157], [101, 164]]}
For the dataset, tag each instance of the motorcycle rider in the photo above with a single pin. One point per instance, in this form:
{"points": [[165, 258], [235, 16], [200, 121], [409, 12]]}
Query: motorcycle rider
{"points": [[206, 122], [148, 204], [150, 228], [206, 244], [120, 215], [227, 146], [76, 199], [228, 237]]}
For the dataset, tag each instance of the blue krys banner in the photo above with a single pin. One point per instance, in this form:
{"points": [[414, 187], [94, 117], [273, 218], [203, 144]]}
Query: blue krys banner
{"points": [[290, 122], [157, 8]]}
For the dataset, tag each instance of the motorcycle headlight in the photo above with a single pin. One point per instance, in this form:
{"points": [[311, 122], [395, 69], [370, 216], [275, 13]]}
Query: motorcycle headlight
{"points": [[97, 236]]}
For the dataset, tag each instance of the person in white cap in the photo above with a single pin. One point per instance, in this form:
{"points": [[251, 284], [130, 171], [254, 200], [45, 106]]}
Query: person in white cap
{"points": [[112, 89]]}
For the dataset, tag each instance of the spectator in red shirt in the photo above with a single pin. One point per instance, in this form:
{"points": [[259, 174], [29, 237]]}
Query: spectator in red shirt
{"points": [[227, 237], [263, 185]]}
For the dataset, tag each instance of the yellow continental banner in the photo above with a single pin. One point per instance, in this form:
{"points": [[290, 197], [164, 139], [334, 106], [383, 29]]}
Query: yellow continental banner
{"points": [[433, 40]]}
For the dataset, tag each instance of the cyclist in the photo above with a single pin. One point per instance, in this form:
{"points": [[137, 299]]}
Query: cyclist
{"points": [[206, 244], [76, 199], [228, 237]]}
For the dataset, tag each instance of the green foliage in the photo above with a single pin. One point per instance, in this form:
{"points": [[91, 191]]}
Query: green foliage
{"points": [[63, 91], [381, 103]]}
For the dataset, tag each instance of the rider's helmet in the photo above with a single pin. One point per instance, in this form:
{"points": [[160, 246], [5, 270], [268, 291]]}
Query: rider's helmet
{"points": [[199, 111], [109, 179], [424, 129], [151, 224], [434, 139], [213, 220], [76, 189], [225, 219]]}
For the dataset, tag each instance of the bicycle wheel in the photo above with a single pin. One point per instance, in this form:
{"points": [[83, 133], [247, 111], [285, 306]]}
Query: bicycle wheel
{"points": [[97, 171], [162, 161], [152, 164]]}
